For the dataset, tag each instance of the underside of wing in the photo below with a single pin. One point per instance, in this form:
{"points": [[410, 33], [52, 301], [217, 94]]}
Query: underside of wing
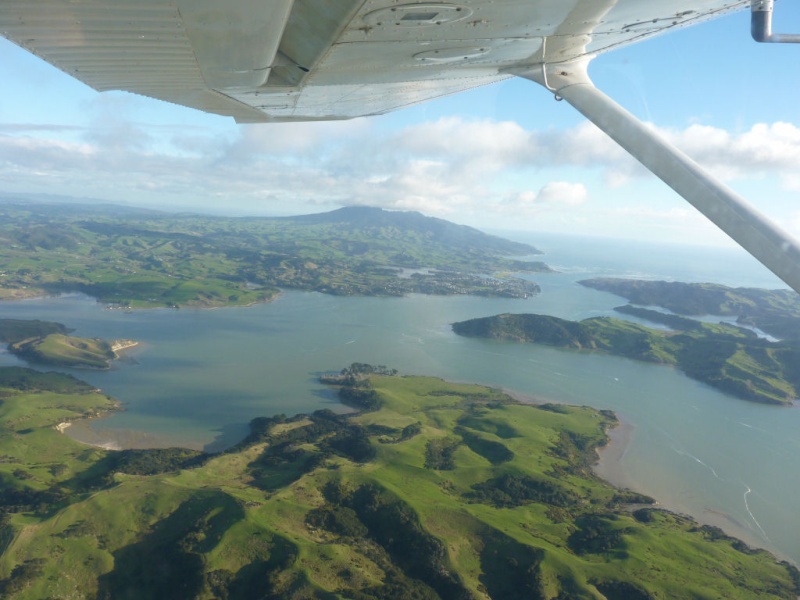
{"points": [[285, 60]]}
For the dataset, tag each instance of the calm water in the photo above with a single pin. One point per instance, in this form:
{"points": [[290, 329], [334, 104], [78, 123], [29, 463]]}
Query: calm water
{"points": [[200, 375]]}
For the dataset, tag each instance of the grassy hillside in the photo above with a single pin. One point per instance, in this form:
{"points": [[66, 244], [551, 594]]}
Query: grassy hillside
{"points": [[442, 491], [17, 330], [146, 259], [729, 358], [47, 343], [775, 311], [62, 350], [34, 457]]}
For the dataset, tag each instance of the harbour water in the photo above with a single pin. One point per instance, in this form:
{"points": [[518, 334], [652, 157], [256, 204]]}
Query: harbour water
{"points": [[199, 376]]}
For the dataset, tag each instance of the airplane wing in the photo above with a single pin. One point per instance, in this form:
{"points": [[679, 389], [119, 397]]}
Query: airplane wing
{"points": [[285, 60]]}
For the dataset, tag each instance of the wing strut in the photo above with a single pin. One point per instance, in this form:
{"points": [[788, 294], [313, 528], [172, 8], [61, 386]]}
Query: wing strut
{"points": [[767, 242]]}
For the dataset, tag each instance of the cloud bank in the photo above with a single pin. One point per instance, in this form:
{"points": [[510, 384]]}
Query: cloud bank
{"points": [[450, 167]]}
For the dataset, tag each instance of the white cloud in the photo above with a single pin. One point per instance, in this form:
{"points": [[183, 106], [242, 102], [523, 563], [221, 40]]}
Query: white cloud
{"points": [[584, 145], [764, 149], [791, 182], [282, 140], [450, 167], [564, 192], [480, 145], [551, 197]]}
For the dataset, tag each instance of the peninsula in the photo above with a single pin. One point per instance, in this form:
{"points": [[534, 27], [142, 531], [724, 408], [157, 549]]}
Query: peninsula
{"points": [[729, 358], [48, 343], [134, 258], [776, 312], [437, 490]]}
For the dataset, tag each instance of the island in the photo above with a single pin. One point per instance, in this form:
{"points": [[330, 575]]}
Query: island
{"points": [[134, 258], [429, 490], [48, 343], [729, 358]]}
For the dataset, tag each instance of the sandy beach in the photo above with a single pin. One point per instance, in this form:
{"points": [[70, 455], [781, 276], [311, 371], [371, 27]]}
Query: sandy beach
{"points": [[82, 431], [610, 467], [609, 463], [118, 346]]}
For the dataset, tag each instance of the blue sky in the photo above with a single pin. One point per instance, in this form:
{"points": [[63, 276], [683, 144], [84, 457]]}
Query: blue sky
{"points": [[505, 157]]}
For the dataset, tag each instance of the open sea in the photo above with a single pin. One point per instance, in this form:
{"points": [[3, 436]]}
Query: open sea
{"points": [[199, 376]]}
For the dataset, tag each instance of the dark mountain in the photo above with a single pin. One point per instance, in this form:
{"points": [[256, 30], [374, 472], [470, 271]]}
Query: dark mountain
{"points": [[367, 218]]}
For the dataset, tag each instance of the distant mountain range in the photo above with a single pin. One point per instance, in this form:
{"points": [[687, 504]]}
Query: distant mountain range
{"points": [[444, 232], [361, 218], [169, 259]]}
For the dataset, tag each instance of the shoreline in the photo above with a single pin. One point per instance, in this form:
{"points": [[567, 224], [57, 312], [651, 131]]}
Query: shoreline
{"points": [[610, 468], [81, 431], [610, 456], [115, 439], [108, 305], [118, 346]]}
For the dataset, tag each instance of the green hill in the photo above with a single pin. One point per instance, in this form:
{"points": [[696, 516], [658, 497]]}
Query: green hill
{"points": [[444, 490], [60, 350], [436, 231], [729, 358], [47, 343]]}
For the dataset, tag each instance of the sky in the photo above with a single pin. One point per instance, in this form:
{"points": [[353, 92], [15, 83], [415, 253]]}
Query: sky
{"points": [[502, 157]]}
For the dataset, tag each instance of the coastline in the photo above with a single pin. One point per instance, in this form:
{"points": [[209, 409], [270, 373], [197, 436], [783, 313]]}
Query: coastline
{"points": [[109, 305], [611, 468], [115, 439], [118, 346], [81, 431], [609, 457], [609, 465]]}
